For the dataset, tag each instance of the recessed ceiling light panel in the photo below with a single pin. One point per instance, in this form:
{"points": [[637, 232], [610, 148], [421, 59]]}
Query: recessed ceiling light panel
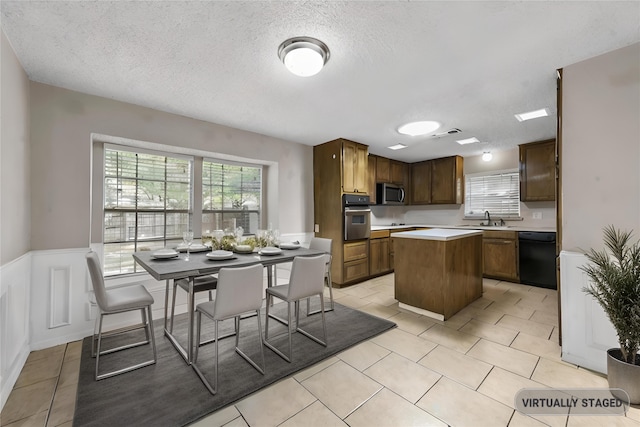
{"points": [[544, 112], [303, 56], [418, 128], [397, 147], [468, 141]]}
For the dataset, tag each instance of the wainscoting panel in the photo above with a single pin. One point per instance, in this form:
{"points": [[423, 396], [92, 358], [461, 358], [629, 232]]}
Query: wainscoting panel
{"points": [[14, 322], [587, 333], [60, 297]]}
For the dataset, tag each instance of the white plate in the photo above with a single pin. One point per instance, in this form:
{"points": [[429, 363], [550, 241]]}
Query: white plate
{"points": [[164, 254], [194, 248], [220, 255], [289, 245], [270, 250]]}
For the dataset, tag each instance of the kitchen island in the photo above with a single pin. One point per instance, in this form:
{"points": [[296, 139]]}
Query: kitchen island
{"points": [[438, 272]]}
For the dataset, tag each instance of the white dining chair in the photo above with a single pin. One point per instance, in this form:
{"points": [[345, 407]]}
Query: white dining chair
{"points": [[239, 291], [323, 244], [207, 283], [114, 301], [307, 280]]}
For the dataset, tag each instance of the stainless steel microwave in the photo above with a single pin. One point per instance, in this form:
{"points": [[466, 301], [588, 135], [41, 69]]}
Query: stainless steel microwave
{"points": [[389, 194]]}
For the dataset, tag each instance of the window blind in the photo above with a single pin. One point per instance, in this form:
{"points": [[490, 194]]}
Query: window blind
{"points": [[147, 205], [498, 193], [231, 196]]}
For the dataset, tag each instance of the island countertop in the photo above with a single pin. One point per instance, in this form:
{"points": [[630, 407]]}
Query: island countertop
{"points": [[437, 234]]}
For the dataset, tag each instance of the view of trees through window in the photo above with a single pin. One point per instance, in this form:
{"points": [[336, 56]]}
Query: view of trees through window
{"points": [[231, 196], [148, 202]]}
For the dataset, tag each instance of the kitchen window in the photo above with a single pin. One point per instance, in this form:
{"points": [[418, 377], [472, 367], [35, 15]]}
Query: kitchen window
{"points": [[497, 192], [231, 195], [147, 204]]}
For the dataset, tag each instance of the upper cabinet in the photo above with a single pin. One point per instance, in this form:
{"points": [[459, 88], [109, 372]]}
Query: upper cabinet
{"points": [[391, 171], [538, 171], [438, 181], [355, 164], [371, 178], [421, 183]]}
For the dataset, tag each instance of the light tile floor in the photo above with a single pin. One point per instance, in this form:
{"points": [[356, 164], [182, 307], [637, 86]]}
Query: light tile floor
{"points": [[461, 372]]}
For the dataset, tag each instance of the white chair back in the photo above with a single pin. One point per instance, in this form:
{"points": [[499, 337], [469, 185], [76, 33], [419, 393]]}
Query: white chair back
{"points": [[239, 291], [97, 281], [322, 244], [307, 277]]}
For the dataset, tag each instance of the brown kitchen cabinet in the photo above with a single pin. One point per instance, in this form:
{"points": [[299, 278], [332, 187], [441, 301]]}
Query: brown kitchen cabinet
{"points": [[398, 172], [335, 164], [391, 250], [355, 165], [379, 252], [500, 255], [371, 178], [447, 181], [538, 171], [421, 183], [438, 181], [383, 169], [356, 260]]}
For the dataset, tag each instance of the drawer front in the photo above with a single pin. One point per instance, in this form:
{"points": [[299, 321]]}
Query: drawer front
{"points": [[379, 234], [499, 234], [356, 251], [356, 270]]}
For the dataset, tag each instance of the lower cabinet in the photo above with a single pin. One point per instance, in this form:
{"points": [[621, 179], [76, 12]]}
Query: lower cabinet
{"points": [[379, 252], [356, 260], [500, 255]]}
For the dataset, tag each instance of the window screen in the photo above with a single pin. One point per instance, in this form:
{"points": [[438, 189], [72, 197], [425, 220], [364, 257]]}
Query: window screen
{"points": [[496, 192]]}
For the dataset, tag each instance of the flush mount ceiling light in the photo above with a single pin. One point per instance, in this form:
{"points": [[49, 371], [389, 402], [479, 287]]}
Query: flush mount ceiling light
{"points": [[468, 141], [544, 112], [418, 128], [303, 56], [397, 147], [487, 156]]}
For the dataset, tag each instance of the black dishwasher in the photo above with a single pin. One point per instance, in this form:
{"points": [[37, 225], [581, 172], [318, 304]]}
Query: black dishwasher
{"points": [[537, 253]]}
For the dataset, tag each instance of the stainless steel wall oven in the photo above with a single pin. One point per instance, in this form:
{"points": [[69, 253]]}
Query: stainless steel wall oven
{"points": [[357, 217]]}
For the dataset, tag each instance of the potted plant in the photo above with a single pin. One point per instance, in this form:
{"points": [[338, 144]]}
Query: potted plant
{"points": [[615, 284]]}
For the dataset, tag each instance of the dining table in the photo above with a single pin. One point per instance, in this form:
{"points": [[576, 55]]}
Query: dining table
{"points": [[198, 264]]}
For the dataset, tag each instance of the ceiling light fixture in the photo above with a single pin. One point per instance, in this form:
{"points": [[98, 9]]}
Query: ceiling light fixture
{"points": [[468, 141], [487, 156], [303, 56], [544, 112], [397, 147], [418, 128]]}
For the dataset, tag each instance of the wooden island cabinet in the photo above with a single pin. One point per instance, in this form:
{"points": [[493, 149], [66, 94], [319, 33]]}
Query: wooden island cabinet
{"points": [[438, 272]]}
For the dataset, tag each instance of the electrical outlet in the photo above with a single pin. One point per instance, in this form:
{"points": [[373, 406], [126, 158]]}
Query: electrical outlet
{"points": [[317, 228], [537, 215]]}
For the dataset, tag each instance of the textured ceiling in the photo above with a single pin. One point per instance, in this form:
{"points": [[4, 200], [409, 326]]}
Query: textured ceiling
{"points": [[468, 65]]}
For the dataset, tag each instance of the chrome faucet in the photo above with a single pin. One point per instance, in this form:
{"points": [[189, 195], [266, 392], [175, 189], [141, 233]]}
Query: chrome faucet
{"points": [[487, 217]]}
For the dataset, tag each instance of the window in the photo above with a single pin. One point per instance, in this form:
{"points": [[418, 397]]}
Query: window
{"points": [[147, 204], [231, 195], [496, 192]]}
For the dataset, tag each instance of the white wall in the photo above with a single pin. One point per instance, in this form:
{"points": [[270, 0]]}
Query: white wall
{"points": [[601, 185], [454, 214], [15, 228]]}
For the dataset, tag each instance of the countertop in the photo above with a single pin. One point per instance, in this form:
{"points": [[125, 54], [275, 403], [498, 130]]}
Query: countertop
{"points": [[466, 227], [437, 234]]}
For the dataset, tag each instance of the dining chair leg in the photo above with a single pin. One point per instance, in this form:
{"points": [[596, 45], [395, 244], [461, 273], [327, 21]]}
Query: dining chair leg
{"points": [[198, 333], [266, 323], [150, 333], [99, 345], [330, 288], [289, 330], [173, 305]]}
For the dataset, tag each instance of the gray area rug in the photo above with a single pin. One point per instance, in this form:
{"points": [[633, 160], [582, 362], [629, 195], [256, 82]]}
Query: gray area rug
{"points": [[170, 393]]}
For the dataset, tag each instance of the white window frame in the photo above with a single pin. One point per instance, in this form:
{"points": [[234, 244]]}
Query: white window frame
{"points": [[513, 199]]}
